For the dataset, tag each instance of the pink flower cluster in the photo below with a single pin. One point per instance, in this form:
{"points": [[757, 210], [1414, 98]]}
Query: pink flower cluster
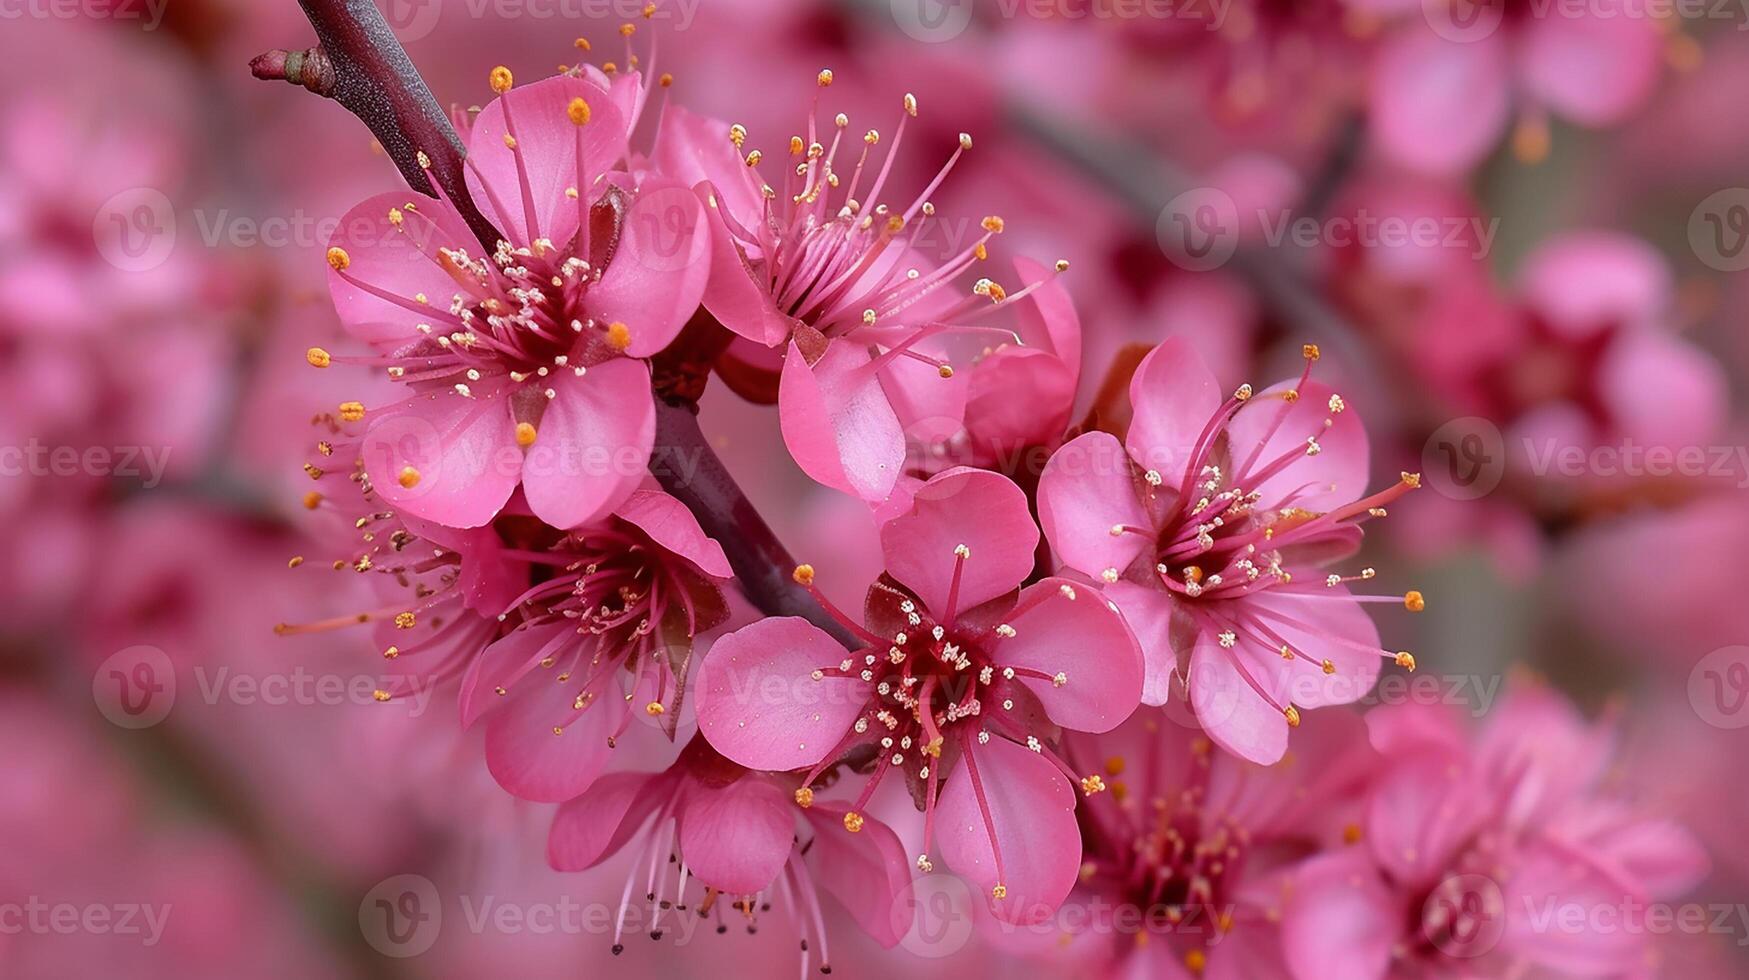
{"points": [[1049, 581]]}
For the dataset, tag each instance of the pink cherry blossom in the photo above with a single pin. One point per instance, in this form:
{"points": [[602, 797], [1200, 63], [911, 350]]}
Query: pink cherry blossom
{"points": [[1208, 527], [961, 678], [834, 280], [732, 834], [1472, 842], [625, 596], [1188, 847], [523, 367]]}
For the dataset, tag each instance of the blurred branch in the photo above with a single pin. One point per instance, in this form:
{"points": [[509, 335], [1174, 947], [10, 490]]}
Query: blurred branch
{"points": [[360, 64], [1147, 186], [692, 472]]}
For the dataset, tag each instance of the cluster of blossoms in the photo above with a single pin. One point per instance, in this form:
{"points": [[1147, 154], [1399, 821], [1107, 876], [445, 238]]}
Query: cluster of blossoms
{"points": [[1008, 662]]}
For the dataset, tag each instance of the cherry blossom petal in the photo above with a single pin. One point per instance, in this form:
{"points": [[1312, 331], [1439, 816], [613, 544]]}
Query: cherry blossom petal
{"points": [[736, 838], [529, 759], [1173, 396], [1031, 807], [838, 423], [1267, 429], [546, 141], [1149, 613], [445, 458], [593, 827], [659, 269], [985, 512], [758, 703], [1087, 489], [866, 872], [593, 443], [1340, 920], [1439, 106], [670, 524], [1233, 713], [1086, 643], [401, 261]]}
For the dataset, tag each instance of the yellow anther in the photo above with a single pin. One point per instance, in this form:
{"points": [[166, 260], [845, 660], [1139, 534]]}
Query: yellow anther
{"points": [[1092, 784], [318, 357], [804, 797], [619, 336], [408, 478], [999, 892], [853, 821], [1293, 716], [501, 79], [338, 260], [405, 621], [380, 695], [1414, 601], [1311, 352], [525, 434], [578, 110], [351, 411], [311, 500], [804, 575], [1406, 660], [581, 44], [994, 224], [1329, 668], [1412, 480], [824, 78], [654, 708]]}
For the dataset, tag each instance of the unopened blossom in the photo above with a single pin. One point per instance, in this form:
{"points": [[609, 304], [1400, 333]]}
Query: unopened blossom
{"points": [[606, 634], [715, 839], [522, 365], [815, 264], [960, 680], [1477, 849], [1188, 849], [1210, 525]]}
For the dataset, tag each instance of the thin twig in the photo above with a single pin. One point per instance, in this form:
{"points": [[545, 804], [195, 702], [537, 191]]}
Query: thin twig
{"points": [[361, 65]]}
